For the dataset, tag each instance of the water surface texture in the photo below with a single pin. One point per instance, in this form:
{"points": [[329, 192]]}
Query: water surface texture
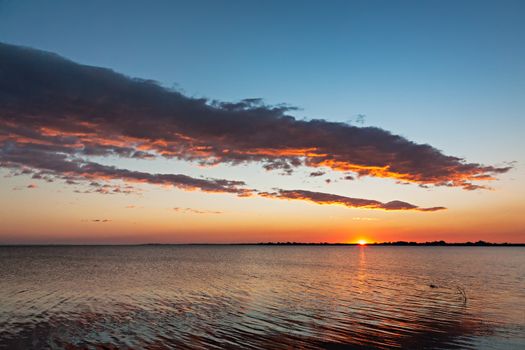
{"points": [[242, 297]]}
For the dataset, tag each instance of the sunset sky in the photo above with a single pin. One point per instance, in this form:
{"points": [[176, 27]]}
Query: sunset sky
{"points": [[250, 121]]}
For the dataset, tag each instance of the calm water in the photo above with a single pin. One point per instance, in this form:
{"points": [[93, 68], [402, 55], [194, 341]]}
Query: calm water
{"points": [[205, 297]]}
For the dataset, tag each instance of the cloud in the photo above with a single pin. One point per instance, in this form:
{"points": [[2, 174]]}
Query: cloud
{"points": [[19, 188], [316, 173], [101, 220], [95, 176], [66, 168], [196, 211], [55, 106], [96, 220], [327, 198], [364, 219]]}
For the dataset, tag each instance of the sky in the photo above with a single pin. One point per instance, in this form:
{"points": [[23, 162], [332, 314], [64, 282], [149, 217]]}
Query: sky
{"points": [[255, 121]]}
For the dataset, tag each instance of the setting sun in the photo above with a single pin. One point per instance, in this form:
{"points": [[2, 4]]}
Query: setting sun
{"points": [[362, 242]]}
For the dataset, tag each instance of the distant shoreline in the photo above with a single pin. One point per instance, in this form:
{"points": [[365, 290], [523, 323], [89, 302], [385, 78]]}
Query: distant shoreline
{"points": [[387, 244], [403, 244]]}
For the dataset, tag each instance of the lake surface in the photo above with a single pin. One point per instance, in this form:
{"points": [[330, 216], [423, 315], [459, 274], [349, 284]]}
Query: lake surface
{"points": [[242, 297]]}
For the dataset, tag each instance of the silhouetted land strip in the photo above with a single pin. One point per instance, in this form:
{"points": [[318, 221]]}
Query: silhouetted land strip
{"points": [[397, 243], [404, 243]]}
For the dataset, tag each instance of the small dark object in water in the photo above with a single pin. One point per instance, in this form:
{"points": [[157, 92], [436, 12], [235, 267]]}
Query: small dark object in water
{"points": [[463, 293], [432, 285]]}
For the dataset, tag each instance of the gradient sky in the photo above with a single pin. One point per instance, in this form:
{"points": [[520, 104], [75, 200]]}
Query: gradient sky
{"points": [[450, 74]]}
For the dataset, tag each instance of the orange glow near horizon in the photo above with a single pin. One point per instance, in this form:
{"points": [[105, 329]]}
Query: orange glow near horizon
{"points": [[147, 216]]}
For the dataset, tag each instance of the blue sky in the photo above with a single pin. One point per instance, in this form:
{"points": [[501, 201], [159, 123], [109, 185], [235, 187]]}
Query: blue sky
{"points": [[415, 68]]}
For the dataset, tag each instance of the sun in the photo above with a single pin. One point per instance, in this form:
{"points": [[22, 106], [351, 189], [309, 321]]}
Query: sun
{"points": [[362, 242]]}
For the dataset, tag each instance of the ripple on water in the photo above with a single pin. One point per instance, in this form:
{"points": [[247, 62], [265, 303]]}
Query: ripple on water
{"points": [[203, 297]]}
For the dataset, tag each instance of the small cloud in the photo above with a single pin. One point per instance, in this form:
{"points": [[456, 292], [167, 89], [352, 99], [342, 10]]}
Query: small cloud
{"points": [[316, 173], [364, 219], [360, 119], [196, 211]]}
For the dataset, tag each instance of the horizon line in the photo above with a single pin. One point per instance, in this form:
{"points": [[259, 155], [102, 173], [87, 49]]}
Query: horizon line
{"points": [[479, 243]]}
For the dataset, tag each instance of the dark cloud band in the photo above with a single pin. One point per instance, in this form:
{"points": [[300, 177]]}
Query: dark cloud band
{"points": [[50, 165], [84, 110], [327, 198]]}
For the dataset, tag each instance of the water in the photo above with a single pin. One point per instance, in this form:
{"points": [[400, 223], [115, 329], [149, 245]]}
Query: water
{"points": [[242, 297]]}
